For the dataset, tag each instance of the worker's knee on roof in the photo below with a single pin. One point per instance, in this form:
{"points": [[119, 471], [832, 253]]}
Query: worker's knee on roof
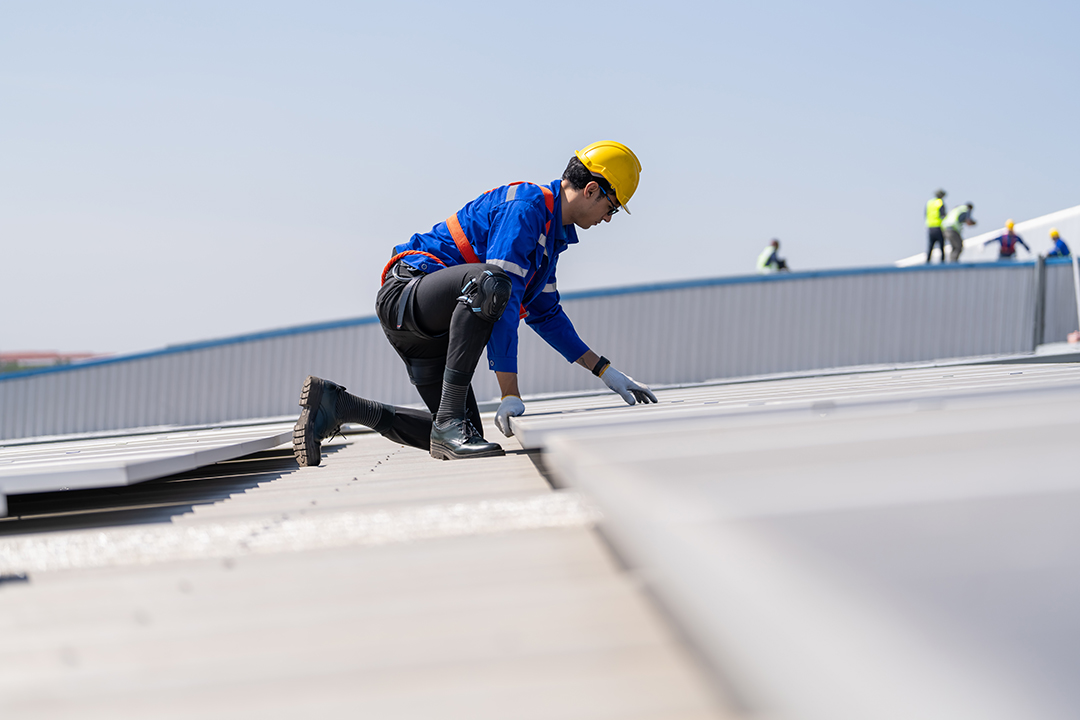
{"points": [[487, 294], [426, 371]]}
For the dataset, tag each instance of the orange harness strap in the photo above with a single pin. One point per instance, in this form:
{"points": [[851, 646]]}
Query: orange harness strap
{"points": [[463, 245], [462, 241]]}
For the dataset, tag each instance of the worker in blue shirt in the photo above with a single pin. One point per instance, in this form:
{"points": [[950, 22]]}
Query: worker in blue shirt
{"points": [[1008, 241], [1060, 248], [466, 284]]}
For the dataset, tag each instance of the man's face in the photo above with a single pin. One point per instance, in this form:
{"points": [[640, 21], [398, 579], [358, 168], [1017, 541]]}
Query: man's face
{"points": [[599, 209]]}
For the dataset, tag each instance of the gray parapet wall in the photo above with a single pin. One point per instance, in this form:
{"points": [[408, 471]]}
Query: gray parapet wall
{"points": [[661, 334]]}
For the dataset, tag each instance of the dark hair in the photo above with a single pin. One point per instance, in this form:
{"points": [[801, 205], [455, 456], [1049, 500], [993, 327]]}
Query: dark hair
{"points": [[579, 176]]}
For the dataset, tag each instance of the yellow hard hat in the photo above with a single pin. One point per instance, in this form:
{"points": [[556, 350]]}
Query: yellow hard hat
{"points": [[1054, 233], [616, 163], [1008, 224]]}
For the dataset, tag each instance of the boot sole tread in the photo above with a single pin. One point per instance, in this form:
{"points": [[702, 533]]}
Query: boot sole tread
{"points": [[306, 448]]}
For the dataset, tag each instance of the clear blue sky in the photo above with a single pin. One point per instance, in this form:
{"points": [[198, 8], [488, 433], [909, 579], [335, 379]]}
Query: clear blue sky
{"points": [[187, 170]]}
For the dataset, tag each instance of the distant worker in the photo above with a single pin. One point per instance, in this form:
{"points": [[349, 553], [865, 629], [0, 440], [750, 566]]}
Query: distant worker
{"points": [[953, 226], [935, 212], [1008, 241], [465, 285], [1060, 248], [769, 261]]}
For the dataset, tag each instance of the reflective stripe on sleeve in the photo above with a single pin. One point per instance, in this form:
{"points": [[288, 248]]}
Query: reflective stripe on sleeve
{"points": [[508, 267]]}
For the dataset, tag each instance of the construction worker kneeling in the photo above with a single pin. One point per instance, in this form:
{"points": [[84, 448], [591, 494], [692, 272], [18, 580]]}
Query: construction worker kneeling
{"points": [[465, 285]]}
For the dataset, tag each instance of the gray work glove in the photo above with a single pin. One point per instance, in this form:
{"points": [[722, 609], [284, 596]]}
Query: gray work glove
{"points": [[511, 406], [630, 391]]}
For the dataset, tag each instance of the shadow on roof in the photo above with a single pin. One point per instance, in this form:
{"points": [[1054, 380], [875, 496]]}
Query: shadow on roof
{"points": [[153, 501]]}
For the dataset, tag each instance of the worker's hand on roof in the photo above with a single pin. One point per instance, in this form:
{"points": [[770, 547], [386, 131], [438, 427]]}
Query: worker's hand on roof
{"points": [[632, 392], [511, 406]]}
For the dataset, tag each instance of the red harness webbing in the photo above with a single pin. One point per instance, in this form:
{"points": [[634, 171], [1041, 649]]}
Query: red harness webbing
{"points": [[382, 280]]}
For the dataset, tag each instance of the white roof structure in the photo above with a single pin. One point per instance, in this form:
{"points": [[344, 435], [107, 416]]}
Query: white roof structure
{"points": [[877, 542], [1035, 232]]}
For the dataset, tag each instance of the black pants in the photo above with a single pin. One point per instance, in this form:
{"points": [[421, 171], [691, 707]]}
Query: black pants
{"points": [[936, 238], [435, 332]]}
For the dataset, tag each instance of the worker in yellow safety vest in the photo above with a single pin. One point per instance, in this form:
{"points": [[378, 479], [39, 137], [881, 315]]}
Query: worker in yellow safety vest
{"points": [[935, 211], [769, 261], [952, 225]]}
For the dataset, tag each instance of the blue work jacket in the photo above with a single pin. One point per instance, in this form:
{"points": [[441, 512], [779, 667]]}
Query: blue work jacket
{"points": [[1008, 243], [506, 227]]}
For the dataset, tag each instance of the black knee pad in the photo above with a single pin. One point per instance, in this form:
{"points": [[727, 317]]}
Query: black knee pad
{"points": [[487, 294]]}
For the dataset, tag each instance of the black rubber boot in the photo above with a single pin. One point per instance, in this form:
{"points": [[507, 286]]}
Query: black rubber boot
{"points": [[318, 419], [459, 440]]}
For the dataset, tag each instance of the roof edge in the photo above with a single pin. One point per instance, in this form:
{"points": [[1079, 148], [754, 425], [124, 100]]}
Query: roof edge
{"points": [[569, 296]]}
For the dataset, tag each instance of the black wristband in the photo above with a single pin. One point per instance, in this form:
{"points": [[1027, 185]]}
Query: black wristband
{"points": [[600, 365]]}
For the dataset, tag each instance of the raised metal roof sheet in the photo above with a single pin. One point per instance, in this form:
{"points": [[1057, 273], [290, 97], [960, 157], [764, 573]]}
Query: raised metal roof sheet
{"points": [[126, 459], [899, 544]]}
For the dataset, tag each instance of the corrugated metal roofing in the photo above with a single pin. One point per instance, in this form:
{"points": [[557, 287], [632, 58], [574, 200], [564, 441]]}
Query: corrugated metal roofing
{"points": [[745, 399], [122, 460], [875, 543], [886, 545], [380, 584]]}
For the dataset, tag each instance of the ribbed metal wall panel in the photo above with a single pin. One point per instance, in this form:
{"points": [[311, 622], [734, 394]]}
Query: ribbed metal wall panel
{"points": [[781, 324], [677, 333], [202, 385], [1060, 301]]}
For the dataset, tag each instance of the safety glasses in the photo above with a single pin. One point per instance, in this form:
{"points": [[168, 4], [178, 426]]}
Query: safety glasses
{"points": [[614, 207]]}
